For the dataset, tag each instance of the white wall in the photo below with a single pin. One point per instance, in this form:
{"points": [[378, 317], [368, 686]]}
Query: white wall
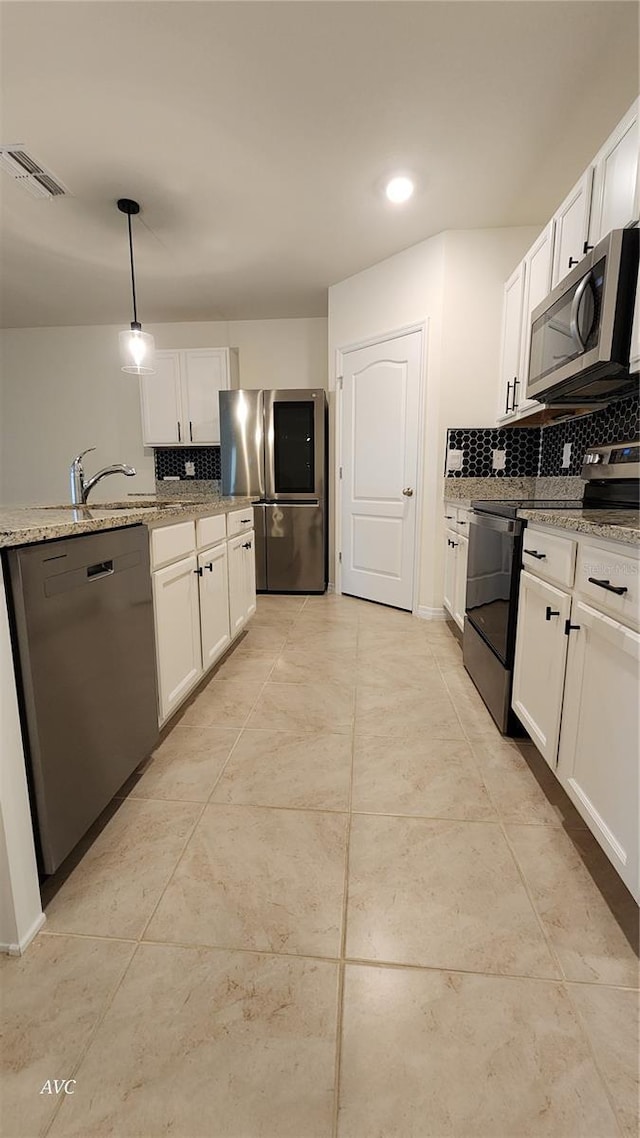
{"points": [[454, 282], [61, 390]]}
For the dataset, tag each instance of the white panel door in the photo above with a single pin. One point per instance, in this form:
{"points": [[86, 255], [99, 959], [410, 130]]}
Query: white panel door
{"points": [[249, 570], [381, 396], [449, 571], [511, 335], [537, 285], [615, 187], [572, 228], [206, 372], [160, 402], [237, 584], [460, 586], [541, 652], [599, 744], [214, 603], [177, 616]]}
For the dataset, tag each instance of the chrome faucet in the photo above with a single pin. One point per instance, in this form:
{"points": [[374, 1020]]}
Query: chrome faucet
{"points": [[81, 487]]}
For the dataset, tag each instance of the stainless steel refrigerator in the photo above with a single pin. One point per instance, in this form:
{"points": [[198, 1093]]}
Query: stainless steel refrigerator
{"points": [[273, 449]]}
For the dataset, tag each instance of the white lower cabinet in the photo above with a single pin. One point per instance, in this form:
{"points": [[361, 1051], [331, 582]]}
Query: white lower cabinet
{"points": [[214, 603], [598, 759], [456, 551], [178, 648], [460, 589], [541, 651], [449, 570], [242, 581]]}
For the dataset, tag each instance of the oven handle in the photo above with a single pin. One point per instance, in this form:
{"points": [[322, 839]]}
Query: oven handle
{"points": [[491, 521], [575, 307]]}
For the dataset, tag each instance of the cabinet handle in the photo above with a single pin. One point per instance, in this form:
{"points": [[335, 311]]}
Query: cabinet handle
{"points": [[507, 408], [586, 248], [619, 590], [449, 517], [245, 521], [569, 627], [199, 570], [534, 553], [573, 261], [462, 523], [179, 433], [247, 545], [551, 612], [516, 381], [209, 566], [190, 431], [453, 544]]}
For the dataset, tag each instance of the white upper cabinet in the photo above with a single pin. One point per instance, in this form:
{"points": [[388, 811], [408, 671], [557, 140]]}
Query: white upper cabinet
{"points": [[634, 361], [572, 228], [180, 402], [615, 184], [537, 285], [511, 342], [161, 404]]}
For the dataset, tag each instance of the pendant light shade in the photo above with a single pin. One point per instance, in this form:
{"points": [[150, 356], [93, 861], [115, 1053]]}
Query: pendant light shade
{"points": [[137, 348]]}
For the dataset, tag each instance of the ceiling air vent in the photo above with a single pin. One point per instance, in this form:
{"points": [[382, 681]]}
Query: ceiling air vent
{"points": [[39, 181]]}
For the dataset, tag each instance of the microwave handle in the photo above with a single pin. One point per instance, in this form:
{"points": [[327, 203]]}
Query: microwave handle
{"points": [[575, 308]]}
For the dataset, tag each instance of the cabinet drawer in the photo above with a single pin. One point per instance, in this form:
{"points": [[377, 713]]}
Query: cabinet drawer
{"points": [[211, 530], [169, 543], [613, 571], [456, 518], [239, 520], [548, 556]]}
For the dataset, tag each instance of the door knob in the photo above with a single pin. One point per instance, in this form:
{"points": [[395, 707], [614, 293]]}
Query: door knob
{"points": [[408, 492]]}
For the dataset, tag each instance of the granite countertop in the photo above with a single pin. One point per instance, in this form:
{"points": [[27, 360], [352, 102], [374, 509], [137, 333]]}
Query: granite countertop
{"points": [[23, 525], [616, 525]]}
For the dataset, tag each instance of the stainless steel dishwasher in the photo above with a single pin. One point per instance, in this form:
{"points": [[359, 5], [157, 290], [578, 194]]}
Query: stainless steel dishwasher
{"points": [[84, 635]]}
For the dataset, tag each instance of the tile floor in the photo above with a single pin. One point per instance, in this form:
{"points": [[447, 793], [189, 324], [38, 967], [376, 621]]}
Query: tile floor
{"points": [[334, 902]]}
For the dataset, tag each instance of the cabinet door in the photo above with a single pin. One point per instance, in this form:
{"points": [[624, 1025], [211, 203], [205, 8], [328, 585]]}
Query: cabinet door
{"points": [[599, 745], [160, 402], [449, 571], [460, 585], [206, 372], [615, 187], [249, 563], [634, 355], [572, 228], [237, 586], [214, 603], [177, 616], [541, 650], [537, 285], [511, 338]]}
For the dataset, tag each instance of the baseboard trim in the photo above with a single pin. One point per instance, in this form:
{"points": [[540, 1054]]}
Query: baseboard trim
{"points": [[23, 944], [331, 587], [426, 613]]}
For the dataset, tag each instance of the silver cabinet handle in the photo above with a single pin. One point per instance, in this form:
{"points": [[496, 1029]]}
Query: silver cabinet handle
{"points": [[408, 492]]}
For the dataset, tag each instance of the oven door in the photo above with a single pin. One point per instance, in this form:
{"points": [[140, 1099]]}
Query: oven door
{"points": [[492, 581]]}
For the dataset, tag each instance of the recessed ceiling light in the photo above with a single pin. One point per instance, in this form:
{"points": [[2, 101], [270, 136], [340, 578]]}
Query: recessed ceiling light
{"points": [[399, 189]]}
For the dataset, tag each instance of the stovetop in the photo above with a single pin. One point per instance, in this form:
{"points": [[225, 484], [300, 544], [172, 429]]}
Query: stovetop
{"points": [[510, 509]]}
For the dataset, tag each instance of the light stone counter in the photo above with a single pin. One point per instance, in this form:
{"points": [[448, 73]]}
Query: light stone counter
{"points": [[616, 525], [24, 525]]}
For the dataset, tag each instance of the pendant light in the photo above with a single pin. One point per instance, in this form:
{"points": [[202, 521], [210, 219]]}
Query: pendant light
{"points": [[136, 347]]}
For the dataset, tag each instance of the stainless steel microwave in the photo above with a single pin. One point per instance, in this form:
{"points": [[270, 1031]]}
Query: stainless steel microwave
{"points": [[581, 334]]}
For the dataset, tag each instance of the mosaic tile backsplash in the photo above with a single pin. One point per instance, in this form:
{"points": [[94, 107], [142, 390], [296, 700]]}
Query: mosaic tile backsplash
{"points": [[537, 451], [170, 462]]}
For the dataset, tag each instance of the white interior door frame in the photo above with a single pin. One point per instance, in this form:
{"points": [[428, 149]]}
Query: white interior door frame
{"points": [[422, 327]]}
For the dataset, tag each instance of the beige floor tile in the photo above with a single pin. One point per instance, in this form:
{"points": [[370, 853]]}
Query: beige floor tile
{"points": [[264, 639], [185, 766], [304, 707], [590, 918], [271, 880], [410, 668], [522, 786], [223, 703], [275, 603], [435, 779], [471, 710], [52, 998], [200, 1043], [306, 666], [342, 638], [392, 641], [395, 712], [432, 1055], [114, 888], [443, 894], [249, 665], [611, 1018], [272, 768]]}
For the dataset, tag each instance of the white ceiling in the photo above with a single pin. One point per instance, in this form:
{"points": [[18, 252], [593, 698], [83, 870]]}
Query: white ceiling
{"points": [[257, 137]]}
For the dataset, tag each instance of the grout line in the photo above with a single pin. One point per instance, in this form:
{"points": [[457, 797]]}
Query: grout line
{"points": [[582, 1027]]}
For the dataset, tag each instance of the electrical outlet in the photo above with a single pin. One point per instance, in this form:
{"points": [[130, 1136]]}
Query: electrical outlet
{"points": [[454, 459], [190, 469], [566, 455], [498, 459]]}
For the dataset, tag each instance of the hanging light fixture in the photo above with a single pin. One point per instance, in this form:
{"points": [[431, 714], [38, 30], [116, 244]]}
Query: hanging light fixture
{"points": [[136, 347]]}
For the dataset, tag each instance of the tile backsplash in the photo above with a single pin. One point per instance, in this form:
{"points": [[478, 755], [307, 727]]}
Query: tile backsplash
{"points": [[538, 451], [170, 461]]}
